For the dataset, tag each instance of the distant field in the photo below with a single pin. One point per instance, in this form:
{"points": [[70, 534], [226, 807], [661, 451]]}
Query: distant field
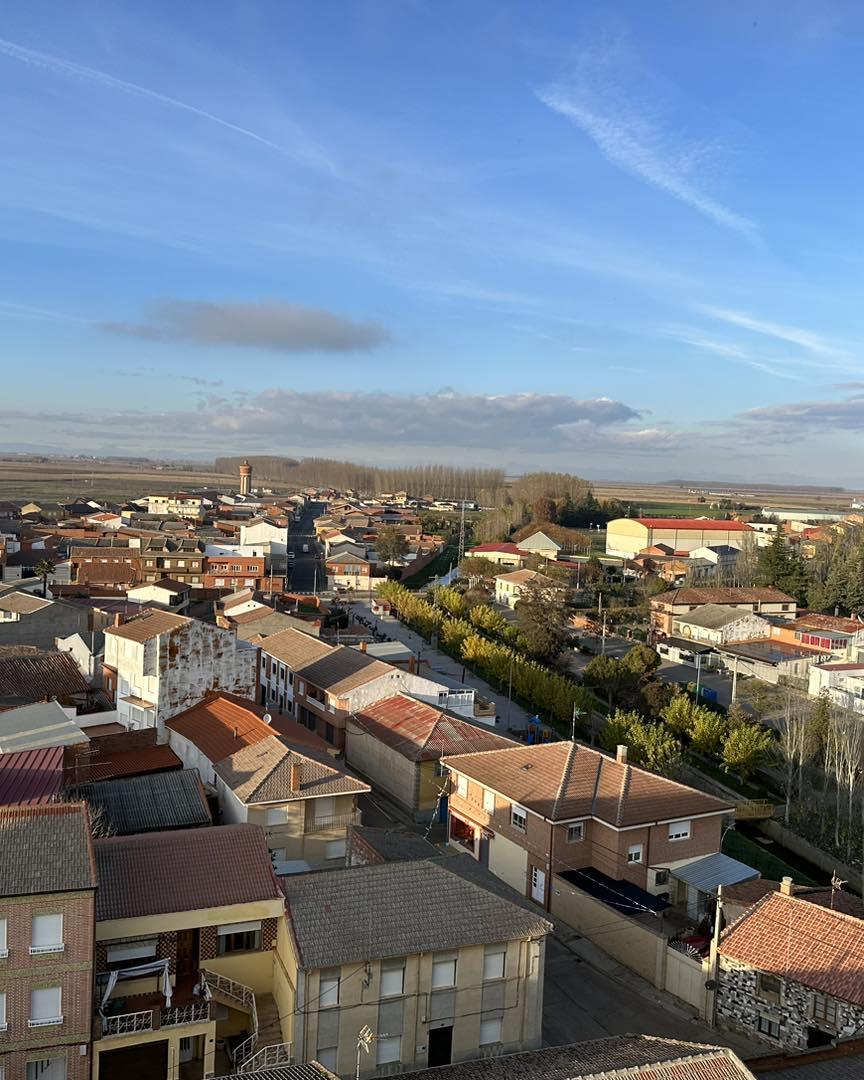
{"points": [[646, 508], [60, 481], [678, 501]]}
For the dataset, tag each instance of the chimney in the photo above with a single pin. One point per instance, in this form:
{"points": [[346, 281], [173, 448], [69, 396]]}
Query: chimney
{"points": [[787, 886], [118, 619], [362, 646], [296, 775], [621, 753]]}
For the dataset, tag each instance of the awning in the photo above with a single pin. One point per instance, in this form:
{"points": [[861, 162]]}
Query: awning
{"points": [[140, 971], [717, 869]]}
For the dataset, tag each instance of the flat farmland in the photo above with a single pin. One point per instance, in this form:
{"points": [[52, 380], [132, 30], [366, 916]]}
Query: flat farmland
{"points": [[61, 480], [678, 501]]}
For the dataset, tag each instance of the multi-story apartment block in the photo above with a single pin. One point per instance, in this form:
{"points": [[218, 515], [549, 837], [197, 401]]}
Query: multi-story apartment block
{"points": [[320, 685], [531, 812], [789, 972], [176, 504], [436, 965], [234, 572], [47, 919], [181, 559], [186, 924], [304, 802], [159, 664]]}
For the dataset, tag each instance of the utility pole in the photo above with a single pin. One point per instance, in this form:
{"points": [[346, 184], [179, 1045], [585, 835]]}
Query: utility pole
{"points": [[462, 533], [698, 671], [734, 679], [576, 713]]}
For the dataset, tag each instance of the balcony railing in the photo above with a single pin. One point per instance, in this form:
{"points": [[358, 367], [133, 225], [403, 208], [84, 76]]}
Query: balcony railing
{"points": [[328, 824], [198, 1012]]}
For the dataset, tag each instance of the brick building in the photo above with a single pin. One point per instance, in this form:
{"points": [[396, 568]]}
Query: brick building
{"points": [[47, 917], [234, 572]]}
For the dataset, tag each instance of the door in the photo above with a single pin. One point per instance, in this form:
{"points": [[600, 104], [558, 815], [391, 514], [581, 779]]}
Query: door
{"points": [[187, 953], [538, 885], [440, 1046], [442, 810], [188, 1048]]}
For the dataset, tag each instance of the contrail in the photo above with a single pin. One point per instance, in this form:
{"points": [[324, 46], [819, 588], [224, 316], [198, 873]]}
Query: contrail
{"points": [[66, 67]]}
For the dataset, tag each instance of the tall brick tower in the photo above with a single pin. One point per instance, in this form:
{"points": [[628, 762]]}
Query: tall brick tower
{"points": [[245, 478]]}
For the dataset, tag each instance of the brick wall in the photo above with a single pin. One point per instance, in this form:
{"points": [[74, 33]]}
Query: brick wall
{"points": [[208, 943]]}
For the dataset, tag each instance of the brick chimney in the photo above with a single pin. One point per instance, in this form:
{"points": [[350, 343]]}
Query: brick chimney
{"points": [[362, 646], [621, 753], [296, 775], [118, 619], [787, 886]]}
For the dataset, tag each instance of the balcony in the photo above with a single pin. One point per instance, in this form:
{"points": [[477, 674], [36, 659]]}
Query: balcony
{"points": [[197, 1012], [331, 824]]}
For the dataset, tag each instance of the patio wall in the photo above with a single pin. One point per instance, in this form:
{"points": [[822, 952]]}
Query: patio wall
{"points": [[635, 944]]}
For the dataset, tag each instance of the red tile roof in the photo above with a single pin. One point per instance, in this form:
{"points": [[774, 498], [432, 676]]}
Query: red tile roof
{"points": [[803, 942], [108, 764], [510, 549], [220, 725], [766, 594], [154, 873], [827, 622], [31, 777], [422, 732], [565, 780], [695, 524]]}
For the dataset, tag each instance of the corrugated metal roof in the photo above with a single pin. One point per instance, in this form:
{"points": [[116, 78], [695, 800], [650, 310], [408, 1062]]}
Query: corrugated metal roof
{"points": [[108, 764], [150, 803], [717, 869], [31, 777]]}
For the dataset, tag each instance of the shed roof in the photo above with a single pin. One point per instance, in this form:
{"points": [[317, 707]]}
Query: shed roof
{"points": [[31, 777], [149, 803], [148, 625], [155, 873], [713, 616], [42, 724], [42, 675], [713, 870]]}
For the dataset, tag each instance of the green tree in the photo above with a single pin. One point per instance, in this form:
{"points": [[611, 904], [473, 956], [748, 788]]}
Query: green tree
{"points": [[390, 544], [641, 660], [543, 618], [451, 600], [617, 729], [44, 569], [607, 675], [773, 562], [488, 620], [679, 714], [709, 732], [746, 748]]}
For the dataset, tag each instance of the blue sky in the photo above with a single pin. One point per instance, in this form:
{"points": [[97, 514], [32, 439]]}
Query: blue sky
{"points": [[619, 239]]}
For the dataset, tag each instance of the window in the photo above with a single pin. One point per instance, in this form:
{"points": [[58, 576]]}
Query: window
{"points": [[2, 1011], [769, 986], [392, 978], [329, 734], [462, 786], [47, 1069], [334, 849], [329, 989], [679, 830], [47, 935], [490, 1031], [493, 962], [238, 937], [45, 1007], [282, 673], [769, 1026], [488, 801], [576, 832], [443, 972], [4, 951], [121, 956], [389, 1048], [276, 815], [661, 877], [327, 1057], [634, 853], [824, 1009], [518, 818]]}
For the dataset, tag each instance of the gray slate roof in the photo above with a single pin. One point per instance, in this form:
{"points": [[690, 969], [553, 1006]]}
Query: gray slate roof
{"points": [[661, 1059], [713, 616], [45, 849], [399, 909], [150, 803], [310, 1071]]}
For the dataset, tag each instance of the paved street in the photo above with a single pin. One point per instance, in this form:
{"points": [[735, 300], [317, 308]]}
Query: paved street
{"points": [[302, 575], [511, 713], [589, 996], [684, 673]]}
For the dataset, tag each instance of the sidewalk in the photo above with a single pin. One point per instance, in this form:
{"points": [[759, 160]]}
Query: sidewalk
{"points": [[514, 717]]}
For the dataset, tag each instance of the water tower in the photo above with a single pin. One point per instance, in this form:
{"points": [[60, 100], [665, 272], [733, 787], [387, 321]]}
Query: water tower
{"points": [[245, 478]]}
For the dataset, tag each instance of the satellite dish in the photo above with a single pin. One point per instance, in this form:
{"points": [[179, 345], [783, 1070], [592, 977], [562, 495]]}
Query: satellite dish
{"points": [[267, 718], [711, 984]]}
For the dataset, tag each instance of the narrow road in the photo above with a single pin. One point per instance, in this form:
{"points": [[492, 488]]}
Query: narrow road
{"points": [[306, 569]]}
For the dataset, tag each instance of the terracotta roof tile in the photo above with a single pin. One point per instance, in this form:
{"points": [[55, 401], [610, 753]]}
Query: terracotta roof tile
{"points": [[420, 732], [723, 596], [220, 725], [263, 772], [108, 764], [564, 780], [40, 676], [696, 524], [803, 942], [295, 648], [154, 873], [148, 625]]}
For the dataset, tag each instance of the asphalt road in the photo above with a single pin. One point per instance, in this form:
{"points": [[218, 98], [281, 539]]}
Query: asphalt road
{"points": [[302, 576]]}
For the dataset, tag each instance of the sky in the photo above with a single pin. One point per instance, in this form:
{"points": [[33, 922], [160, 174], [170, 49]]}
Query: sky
{"points": [[617, 239]]}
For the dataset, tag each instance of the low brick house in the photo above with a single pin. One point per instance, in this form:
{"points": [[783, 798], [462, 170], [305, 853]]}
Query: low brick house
{"points": [[47, 918], [791, 972], [530, 812]]}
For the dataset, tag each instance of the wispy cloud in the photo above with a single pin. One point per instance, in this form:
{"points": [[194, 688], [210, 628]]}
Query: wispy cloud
{"points": [[271, 324], [813, 417], [792, 335], [770, 366], [305, 151], [636, 137]]}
